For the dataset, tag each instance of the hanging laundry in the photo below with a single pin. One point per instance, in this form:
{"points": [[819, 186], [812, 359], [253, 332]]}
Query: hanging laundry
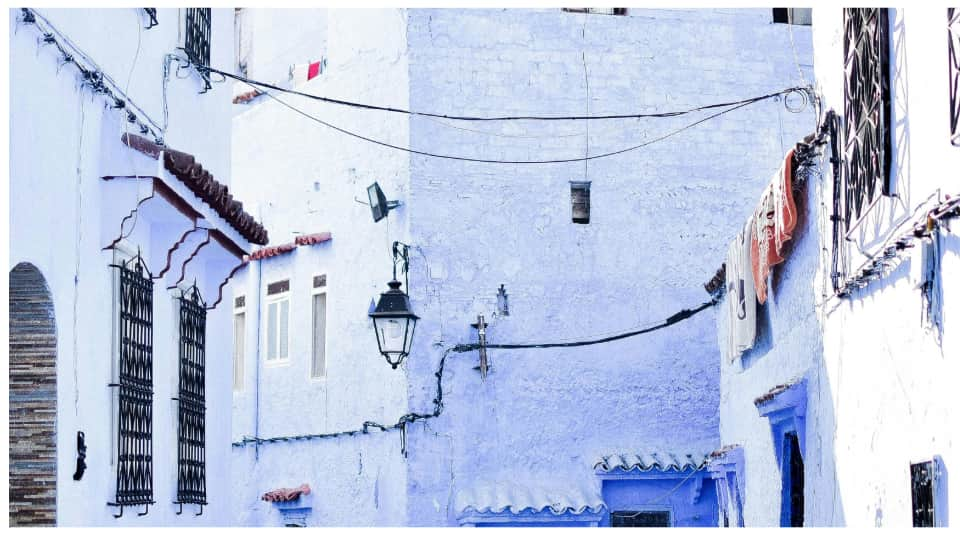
{"points": [[301, 73], [741, 297], [930, 286], [773, 223]]}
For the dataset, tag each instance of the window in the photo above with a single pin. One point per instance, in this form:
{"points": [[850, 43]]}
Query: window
{"points": [[580, 200], [239, 339], [802, 16], [318, 363], [726, 469], [953, 52], [928, 490], [134, 484], [791, 478], [597, 11], [640, 519], [196, 41], [866, 111], [278, 321], [191, 401]]}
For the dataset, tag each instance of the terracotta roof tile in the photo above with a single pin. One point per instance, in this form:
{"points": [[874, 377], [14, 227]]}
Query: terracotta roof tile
{"points": [[272, 251], [189, 171], [286, 494], [773, 392], [310, 239], [246, 97], [302, 240]]}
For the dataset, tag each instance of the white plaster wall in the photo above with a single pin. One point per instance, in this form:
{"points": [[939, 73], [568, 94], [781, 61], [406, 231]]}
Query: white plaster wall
{"points": [[890, 382], [268, 58], [660, 222], [305, 178], [55, 223]]}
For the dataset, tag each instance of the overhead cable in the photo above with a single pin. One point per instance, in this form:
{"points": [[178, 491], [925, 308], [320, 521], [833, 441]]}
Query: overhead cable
{"points": [[409, 418], [507, 162], [261, 84]]}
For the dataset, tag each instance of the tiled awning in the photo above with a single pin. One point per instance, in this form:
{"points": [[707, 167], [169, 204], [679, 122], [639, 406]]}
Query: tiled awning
{"points": [[647, 461], [202, 183], [500, 497], [286, 494], [302, 240]]}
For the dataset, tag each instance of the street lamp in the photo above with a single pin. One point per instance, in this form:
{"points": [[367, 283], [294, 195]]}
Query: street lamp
{"points": [[393, 320]]}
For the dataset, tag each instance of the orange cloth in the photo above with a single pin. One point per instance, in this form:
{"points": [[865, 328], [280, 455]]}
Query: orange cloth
{"points": [[774, 221]]}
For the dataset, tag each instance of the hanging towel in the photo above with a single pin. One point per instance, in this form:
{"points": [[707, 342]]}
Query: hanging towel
{"points": [[930, 286], [773, 223], [301, 73], [741, 296]]}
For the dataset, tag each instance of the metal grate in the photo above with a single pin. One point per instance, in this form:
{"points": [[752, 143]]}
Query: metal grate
{"points": [[866, 109], [197, 39], [580, 201], [191, 431], [152, 15], [135, 433], [640, 519], [921, 484], [953, 52]]}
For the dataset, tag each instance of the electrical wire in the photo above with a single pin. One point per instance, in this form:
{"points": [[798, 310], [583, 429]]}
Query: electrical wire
{"points": [[354, 104], [409, 418], [507, 162]]}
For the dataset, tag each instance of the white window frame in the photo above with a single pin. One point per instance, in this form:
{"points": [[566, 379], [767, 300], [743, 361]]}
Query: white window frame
{"points": [[243, 355], [271, 299], [313, 293]]}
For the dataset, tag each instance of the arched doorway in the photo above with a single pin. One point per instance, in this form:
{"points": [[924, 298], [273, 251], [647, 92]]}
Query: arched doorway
{"points": [[33, 399]]}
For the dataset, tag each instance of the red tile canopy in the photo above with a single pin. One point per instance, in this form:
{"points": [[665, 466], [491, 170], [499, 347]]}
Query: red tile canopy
{"points": [[286, 494], [302, 240], [189, 171]]}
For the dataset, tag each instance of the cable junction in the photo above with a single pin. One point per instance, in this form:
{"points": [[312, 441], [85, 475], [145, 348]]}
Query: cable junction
{"points": [[260, 85], [412, 417]]}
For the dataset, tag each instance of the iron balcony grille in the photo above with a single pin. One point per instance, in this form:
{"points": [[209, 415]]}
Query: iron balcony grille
{"points": [[921, 484], [135, 433], [953, 52], [191, 430], [866, 109], [197, 40]]}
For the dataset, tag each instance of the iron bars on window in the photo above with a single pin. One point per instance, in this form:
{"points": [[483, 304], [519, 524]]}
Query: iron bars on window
{"points": [[135, 434], [953, 54], [191, 431], [866, 109], [196, 42]]}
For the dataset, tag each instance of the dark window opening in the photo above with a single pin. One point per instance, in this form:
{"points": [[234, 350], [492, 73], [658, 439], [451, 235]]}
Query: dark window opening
{"points": [[780, 15], [791, 505], [630, 518], [191, 401], [580, 199], [866, 111], [320, 281], [196, 41], [239, 302], [135, 434], [921, 483], [278, 287], [798, 16]]}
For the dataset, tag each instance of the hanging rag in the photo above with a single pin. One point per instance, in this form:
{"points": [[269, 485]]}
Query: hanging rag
{"points": [[773, 223], [931, 289], [741, 296]]}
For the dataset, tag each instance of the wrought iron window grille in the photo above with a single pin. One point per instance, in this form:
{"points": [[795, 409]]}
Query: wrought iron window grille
{"points": [[134, 484], [953, 54], [921, 484], [196, 41], [866, 110], [191, 402], [152, 14]]}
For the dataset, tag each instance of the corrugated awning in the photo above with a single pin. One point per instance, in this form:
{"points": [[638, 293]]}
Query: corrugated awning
{"points": [[514, 498], [647, 461]]}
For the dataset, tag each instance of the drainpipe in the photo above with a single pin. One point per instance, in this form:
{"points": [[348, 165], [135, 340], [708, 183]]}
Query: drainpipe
{"points": [[256, 419]]}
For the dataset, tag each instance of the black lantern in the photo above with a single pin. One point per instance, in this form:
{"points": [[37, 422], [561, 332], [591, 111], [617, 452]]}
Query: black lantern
{"points": [[394, 323]]}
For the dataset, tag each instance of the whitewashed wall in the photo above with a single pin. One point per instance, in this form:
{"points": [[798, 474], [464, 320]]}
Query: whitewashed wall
{"points": [[62, 141], [304, 178], [879, 387]]}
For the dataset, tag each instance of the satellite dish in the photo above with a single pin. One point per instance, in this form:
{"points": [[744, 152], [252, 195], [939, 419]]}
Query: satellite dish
{"points": [[379, 205]]}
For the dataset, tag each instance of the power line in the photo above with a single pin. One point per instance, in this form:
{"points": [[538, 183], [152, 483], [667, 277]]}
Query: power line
{"points": [[410, 418], [368, 106], [507, 162]]}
